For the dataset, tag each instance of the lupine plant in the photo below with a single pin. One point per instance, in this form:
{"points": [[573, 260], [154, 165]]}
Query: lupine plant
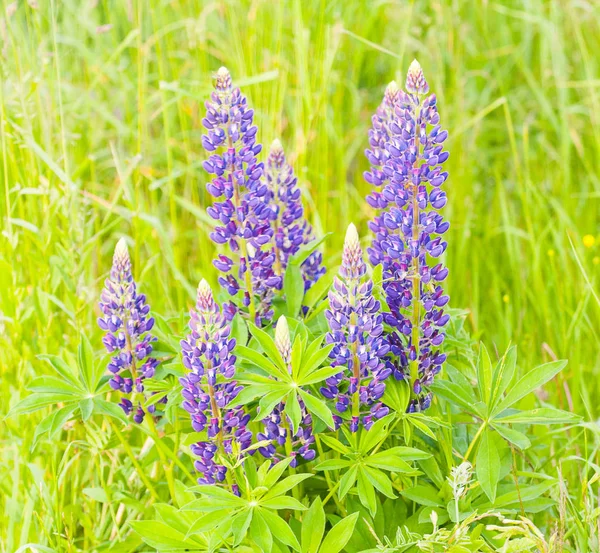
{"points": [[316, 420], [406, 157]]}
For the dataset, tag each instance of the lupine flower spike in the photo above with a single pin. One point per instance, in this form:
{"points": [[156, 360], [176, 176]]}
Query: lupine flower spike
{"points": [[355, 329], [406, 157], [210, 387], [243, 214], [127, 324], [291, 229], [278, 427]]}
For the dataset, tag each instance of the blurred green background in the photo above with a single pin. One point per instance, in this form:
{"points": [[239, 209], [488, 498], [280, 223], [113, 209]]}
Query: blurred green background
{"points": [[101, 103]]}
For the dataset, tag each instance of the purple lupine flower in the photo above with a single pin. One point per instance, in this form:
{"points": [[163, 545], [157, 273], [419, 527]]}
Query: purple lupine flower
{"points": [[406, 157], [127, 324], [291, 229], [243, 215], [209, 388], [355, 329], [278, 426]]}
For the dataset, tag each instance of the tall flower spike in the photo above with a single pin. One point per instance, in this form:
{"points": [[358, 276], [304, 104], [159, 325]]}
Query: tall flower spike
{"points": [[127, 324], [210, 387], [355, 329], [406, 157], [243, 215], [290, 227], [278, 427]]}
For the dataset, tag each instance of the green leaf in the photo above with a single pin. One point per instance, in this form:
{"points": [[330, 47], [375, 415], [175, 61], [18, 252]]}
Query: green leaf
{"points": [[488, 465], [240, 525], [389, 459], [259, 360], [283, 502], [318, 375], [423, 495], [503, 374], [319, 290], [335, 444], [293, 287], [313, 527], [280, 529], [97, 494], [274, 473], [484, 374], [268, 345], [61, 368], [396, 395], [456, 394], [510, 434], [333, 464], [339, 535], [86, 406], [347, 481], [292, 409], [543, 415], [317, 407], [380, 481], [54, 385], [206, 522], [286, 484], [313, 362], [35, 402], [261, 534], [160, 536], [376, 434], [107, 408], [85, 360], [270, 401], [530, 382], [366, 492]]}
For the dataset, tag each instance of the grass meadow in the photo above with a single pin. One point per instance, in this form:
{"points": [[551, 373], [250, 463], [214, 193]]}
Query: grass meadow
{"points": [[101, 105]]}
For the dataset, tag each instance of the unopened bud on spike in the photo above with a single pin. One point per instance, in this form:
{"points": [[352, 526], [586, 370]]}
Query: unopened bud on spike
{"points": [[276, 158], [415, 80], [223, 80], [282, 339], [392, 92], [121, 252], [204, 300], [353, 266]]}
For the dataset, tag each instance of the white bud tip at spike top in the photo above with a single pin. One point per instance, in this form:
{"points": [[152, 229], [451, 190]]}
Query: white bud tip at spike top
{"points": [[415, 69], [282, 337], [351, 242], [276, 146], [204, 288], [121, 251]]}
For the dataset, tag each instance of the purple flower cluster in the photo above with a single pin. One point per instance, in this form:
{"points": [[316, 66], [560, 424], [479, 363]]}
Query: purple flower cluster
{"points": [[127, 324], [406, 157], [355, 329], [291, 229], [209, 388], [245, 214], [278, 426]]}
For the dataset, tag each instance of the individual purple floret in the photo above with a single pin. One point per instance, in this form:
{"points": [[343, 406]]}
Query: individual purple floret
{"points": [[291, 229], [355, 330], [209, 388], [127, 324], [278, 426], [243, 215], [406, 157]]}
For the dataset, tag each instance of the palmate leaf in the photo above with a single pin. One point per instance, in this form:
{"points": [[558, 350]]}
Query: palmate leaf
{"points": [[313, 527], [528, 383], [260, 533], [268, 345], [366, 492], [488, 465], [162, 537], [293, 287], [279, 528], [484, 374], [511, 435], [262, 362], [316, 406], [339, 535], [543, 415]]}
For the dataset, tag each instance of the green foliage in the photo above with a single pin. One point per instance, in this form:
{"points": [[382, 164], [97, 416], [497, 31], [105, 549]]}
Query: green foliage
{"points": [[100, 139]]}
